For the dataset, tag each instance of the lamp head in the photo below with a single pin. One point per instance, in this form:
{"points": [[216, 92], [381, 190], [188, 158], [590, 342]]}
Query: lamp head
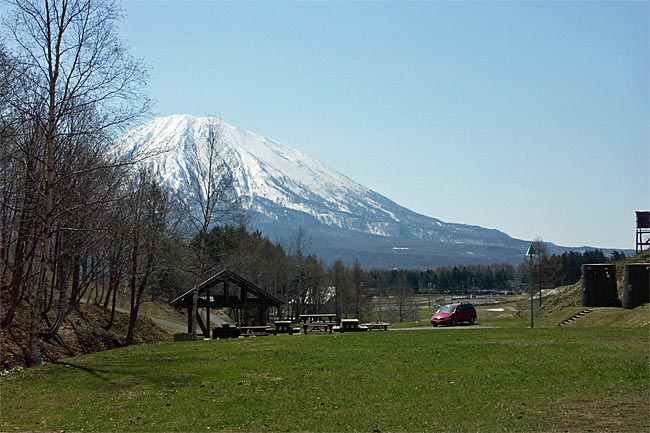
{"points": [[531, 251]]}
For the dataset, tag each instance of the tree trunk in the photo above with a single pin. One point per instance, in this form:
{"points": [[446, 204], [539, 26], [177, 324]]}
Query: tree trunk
{"points": [[35, 357], [25, 228], [112, 318], [133, 310], [18, 272]]}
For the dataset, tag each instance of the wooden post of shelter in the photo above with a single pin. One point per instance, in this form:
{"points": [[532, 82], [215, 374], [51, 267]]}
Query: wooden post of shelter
{"points": [[244, 301], [193, 312], [207, 318]]}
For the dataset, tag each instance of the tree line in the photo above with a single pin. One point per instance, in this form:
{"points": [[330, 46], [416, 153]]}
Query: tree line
{"points": [[555, 270], [72, 206], [308, 285]]}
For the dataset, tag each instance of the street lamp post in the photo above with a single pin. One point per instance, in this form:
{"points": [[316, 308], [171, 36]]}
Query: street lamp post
{"points": [[539, 269], [530, 253]]}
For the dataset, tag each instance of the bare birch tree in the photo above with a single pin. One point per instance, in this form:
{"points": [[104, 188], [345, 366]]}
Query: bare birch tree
{"points": [[83, 86], [149, 208], [211, 200]]}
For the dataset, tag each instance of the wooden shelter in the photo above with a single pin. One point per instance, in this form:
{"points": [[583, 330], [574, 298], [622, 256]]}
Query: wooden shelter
{"points": [[225, 289]]}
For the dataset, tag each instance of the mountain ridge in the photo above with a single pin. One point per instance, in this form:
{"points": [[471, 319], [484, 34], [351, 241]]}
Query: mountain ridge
{"points": [[283, 189]]}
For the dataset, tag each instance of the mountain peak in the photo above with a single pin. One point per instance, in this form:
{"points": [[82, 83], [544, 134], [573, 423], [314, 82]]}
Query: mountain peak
{"points": [[285, 189]]}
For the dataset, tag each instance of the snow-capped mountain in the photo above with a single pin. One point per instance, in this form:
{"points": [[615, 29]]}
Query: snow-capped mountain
{"points": [[283, 189]]}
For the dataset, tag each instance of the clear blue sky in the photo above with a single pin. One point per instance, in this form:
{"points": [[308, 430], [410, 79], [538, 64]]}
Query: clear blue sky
{"points": [[528, 117]]}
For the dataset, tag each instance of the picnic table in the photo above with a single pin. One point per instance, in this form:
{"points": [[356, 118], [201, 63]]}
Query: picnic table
{"points": [[380, 326], [317, 323], [225, 331], [282, 327], [351, 325]]}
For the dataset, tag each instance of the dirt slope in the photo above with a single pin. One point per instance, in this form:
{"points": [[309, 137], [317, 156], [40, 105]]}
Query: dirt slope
{"points": [[83, 332]]}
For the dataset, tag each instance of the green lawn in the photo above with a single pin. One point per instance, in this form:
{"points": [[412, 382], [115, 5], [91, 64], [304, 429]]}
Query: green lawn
{"points": [[451, 380]]}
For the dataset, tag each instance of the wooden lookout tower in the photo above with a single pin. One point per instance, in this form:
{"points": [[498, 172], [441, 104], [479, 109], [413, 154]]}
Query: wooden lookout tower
{"points": [[226, 289], [642, 230]]}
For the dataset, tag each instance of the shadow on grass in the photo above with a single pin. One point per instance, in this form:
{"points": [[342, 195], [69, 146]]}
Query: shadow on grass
{"points": [[92, 371]]}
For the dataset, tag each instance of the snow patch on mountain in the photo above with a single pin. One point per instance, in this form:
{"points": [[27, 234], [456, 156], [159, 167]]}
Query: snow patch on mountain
{"points": [[264, 170]]}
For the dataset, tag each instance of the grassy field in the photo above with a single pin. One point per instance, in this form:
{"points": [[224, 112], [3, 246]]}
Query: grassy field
{"points": [[464, 379]]}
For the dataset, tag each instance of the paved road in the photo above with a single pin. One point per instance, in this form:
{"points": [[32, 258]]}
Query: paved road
{"points": [[169, 324], [183, 327], [440, 328]]}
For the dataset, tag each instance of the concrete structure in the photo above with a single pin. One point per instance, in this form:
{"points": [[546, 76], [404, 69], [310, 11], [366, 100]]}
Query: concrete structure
{"points": [[599, 286], [637, 285]]}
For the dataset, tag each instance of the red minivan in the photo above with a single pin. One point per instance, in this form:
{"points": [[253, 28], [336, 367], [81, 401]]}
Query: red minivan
{"points": [[452, 314]]}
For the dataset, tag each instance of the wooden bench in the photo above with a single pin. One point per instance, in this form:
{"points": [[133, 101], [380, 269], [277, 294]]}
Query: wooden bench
{"points": [[379, 326], [257, 331], [225, 331]]}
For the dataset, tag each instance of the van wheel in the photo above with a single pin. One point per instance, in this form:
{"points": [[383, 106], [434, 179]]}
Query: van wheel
{"points": [[471, 320], [453, 322]]}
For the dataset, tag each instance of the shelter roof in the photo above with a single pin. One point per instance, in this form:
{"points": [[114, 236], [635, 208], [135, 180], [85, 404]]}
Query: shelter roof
{"points": [[226, 276]]}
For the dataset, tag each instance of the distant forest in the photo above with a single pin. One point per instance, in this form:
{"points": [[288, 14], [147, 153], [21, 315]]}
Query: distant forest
{"points": [[305, 282]]}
